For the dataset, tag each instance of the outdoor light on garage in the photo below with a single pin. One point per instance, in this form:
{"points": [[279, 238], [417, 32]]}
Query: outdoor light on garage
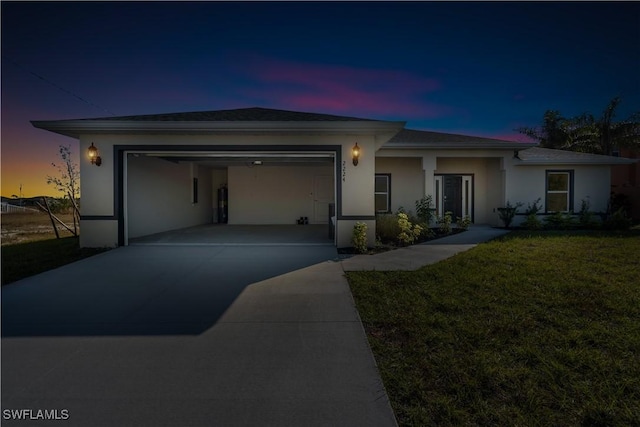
{"points": [[355, 153], [93, 155]]}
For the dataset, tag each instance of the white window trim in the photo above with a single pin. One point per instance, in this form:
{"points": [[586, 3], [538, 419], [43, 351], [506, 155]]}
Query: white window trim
{"points": [[386, 193], [566, 192]]}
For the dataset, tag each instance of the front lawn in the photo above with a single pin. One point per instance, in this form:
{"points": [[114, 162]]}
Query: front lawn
{"points": [[26, 259], [531, 329]]}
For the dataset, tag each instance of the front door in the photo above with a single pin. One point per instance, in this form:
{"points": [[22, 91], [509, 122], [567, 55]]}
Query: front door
{"points": [[454, 193]]}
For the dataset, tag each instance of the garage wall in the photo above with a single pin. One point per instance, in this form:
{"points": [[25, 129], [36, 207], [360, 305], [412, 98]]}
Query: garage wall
{"points": [[159, 196], [272, 194]]}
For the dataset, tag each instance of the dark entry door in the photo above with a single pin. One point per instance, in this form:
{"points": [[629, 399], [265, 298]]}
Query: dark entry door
{"points": [[453, 195]]}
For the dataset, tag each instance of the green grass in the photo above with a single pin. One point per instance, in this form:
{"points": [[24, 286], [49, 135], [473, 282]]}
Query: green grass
{"points": [[26, 259], [534, 329]]}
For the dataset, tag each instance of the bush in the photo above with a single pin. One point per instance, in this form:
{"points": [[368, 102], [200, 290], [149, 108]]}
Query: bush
{"points": [[618, 221], [508, 212], [359, 237], [559, 221], [444, 223], [463, 222], [585, 216], [387, 228], [532, 222], [533, 208], [424, 210], [408, 232]]}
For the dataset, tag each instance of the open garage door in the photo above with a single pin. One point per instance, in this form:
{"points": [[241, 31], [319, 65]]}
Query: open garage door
{"points": [[173, 196]]}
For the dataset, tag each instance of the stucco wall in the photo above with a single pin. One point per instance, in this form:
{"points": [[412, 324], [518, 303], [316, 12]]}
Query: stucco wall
{"points": [[486, 180], [273, 194], [98, 234], [407, 180], [527, 183], [159, 196]]}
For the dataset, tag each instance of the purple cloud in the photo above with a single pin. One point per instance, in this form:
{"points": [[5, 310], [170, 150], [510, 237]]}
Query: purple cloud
{"points": [[345, 90]]}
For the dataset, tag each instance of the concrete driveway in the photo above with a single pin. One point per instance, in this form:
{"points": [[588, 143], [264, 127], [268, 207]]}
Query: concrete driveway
{"points": [[190, 336]]}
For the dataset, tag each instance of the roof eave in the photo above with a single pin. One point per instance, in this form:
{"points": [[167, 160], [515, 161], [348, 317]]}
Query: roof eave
{"points": [[620, 161], [507, 145], [75, 128]]}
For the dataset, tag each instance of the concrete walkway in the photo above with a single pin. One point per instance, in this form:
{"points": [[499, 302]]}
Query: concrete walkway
{"points": [[417, 256]]}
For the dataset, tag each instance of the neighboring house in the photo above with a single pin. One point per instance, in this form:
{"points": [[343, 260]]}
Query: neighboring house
{"points": [[625, 180], [162, 172]]}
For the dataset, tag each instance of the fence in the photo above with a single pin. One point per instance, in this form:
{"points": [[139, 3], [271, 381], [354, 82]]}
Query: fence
{"points": [[9, 209]]}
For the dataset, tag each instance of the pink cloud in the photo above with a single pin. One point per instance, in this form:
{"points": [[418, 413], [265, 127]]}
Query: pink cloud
{"points": [[344, 90]]}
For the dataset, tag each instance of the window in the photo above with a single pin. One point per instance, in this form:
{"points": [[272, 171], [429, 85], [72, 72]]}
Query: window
{"points": [[383, 193], [559, 191]]}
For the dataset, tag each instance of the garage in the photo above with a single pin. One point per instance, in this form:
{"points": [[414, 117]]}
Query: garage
{"points": [[218, 198]]}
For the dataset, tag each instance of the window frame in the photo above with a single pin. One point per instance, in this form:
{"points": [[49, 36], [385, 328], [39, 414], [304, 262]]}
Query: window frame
{"points": [[569, 191], [387, 193]]}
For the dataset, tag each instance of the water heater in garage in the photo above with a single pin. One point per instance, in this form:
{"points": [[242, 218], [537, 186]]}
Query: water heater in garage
{"points": [[223, 202]]}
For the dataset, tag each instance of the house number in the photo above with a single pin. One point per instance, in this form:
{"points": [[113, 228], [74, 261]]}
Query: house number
{"points": [[344, 170]]}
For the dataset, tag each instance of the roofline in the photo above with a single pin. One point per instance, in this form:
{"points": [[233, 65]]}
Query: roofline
{"points": [[507, 145], [618, 161], [75, 128]]}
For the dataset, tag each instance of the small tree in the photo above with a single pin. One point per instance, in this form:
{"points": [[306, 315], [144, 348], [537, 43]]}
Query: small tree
{"points": [[68, 179]]}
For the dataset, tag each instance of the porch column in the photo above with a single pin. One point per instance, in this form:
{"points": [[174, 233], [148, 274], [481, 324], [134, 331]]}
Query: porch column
{"points": [[429, 167]]}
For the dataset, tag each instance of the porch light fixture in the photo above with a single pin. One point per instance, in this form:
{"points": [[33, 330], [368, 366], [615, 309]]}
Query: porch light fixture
{"points": [[93, 155], [355, 154]]}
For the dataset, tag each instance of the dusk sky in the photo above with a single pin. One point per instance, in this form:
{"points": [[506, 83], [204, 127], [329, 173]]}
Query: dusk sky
{"points": [[472, 68]]}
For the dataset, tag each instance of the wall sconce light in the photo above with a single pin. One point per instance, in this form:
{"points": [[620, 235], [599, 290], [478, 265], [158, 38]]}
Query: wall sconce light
{"points": [[355, 154], [93, 155]]}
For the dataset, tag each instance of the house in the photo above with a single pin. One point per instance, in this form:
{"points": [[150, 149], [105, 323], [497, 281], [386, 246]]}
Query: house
{"points": [[152, 173], [625, 181]]}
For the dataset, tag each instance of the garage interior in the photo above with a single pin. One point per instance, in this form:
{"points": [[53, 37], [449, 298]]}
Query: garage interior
{"points": [[229, 198]]}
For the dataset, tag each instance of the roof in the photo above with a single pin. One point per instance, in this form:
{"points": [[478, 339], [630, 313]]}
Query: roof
{"points": [[409, 138], [254, 114], [248, 120], [546, 156]]}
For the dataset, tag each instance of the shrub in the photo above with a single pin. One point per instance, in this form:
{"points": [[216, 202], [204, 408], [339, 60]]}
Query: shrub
{"points": [[444, 223], [533, 208], [585, 216], [508, 212], [463, 222], [618, 221], [359, 237], [424, 209], [408, 232], [387, 228], [532, 222], [559, 221]]}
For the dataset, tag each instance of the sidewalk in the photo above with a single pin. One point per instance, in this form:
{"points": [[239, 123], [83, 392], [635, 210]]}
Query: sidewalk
{"points": [[417, 256]]}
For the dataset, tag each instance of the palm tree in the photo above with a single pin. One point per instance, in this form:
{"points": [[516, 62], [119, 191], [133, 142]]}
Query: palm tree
{"points": [[586, 134]]}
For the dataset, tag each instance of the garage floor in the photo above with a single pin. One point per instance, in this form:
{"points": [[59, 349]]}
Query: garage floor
{"points": [[226, 234]]}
